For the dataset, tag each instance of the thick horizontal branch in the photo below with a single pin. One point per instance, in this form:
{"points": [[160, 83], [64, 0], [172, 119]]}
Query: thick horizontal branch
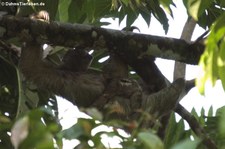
{"points": [[128, 45]]}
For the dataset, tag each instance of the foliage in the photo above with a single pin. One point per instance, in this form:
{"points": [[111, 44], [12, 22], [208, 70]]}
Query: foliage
{"points": [[36, 129], [40, 125], [90, 134], [91, 11], [200, 10], [213, 60]]}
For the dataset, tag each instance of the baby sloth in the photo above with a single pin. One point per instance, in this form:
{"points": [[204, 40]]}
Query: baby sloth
{"points": [[76, 60]]}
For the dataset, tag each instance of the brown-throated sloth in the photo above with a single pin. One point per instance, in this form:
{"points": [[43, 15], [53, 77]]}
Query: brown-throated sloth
{"points": [[84, 89], [76, 85]]}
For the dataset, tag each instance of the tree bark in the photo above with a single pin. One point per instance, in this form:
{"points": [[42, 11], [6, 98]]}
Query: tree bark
{"points": [[128, 45], [180, 68]]}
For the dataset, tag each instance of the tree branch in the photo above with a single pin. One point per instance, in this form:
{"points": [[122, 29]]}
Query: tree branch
{"points": [[128, 45], [180, 68], [195, 126]]}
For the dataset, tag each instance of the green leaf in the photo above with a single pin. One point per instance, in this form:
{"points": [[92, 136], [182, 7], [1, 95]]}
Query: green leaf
{"points": [[194, 113], [89, 8], [210, 15], [197, 7], [131, 17], [175, 132], [126, 2], [213, 60], [166, 2], [222, 75], [169, 138], [222, 3], [218, 29], [159, 14], [202, 117], [146, 17], [221, 63], [94, 113], [150, 140], [210, 113], [202, 112], [82, 129], [63, 10], [194, 8], [102, 8], [19, 131], [73, 132], [179, 133], [200, 83], [39, 136], [166, 5], [76, 7], [187, 144], [222, 122]]}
